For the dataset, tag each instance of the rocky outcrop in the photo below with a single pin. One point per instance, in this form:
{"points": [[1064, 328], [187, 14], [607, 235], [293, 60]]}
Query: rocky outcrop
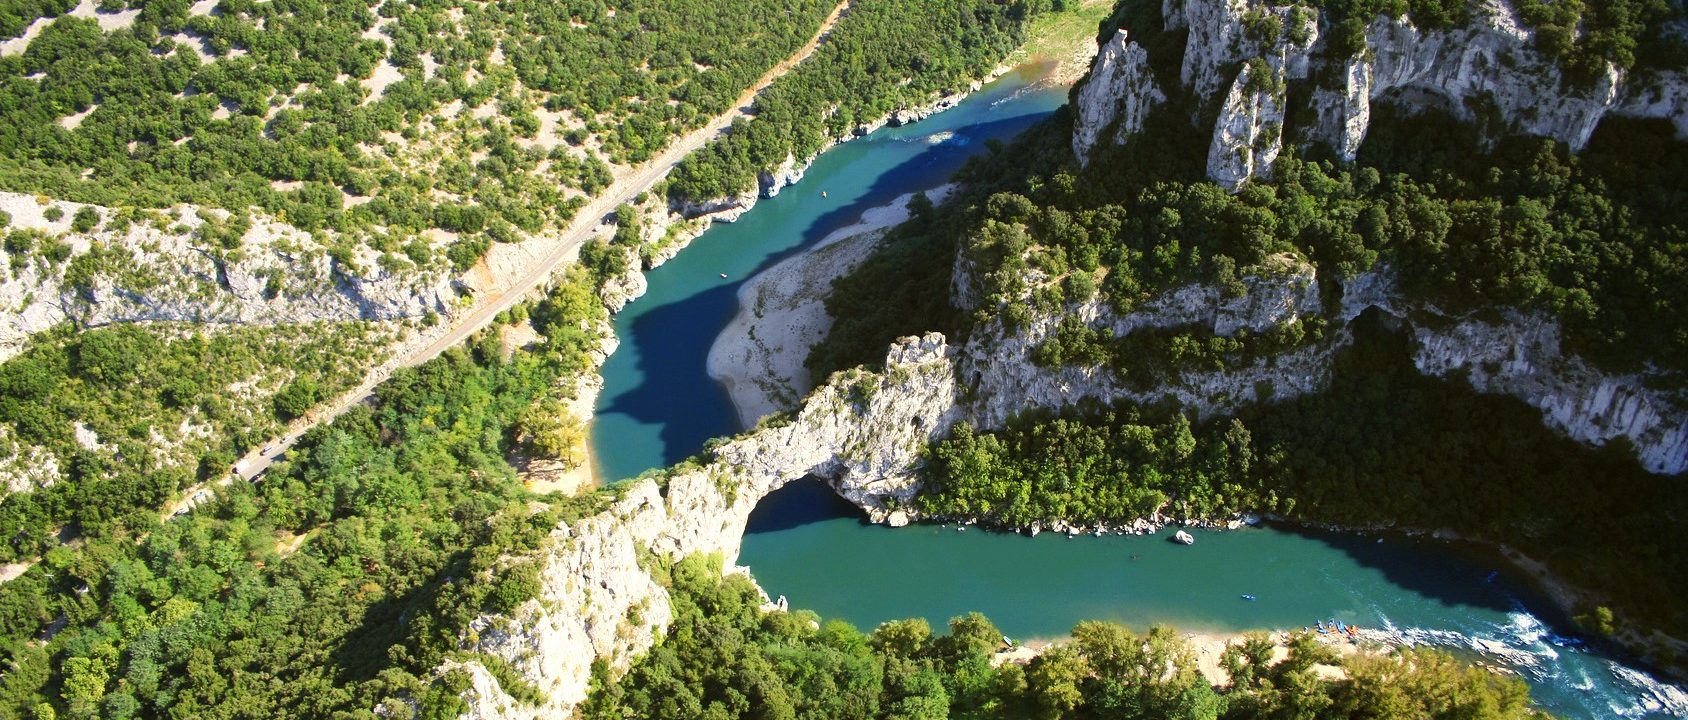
{"points": [[616, 292], [1487, 71], [1522, 357], [863, 432], [997, 363], [1220, 37], [787, 173], [24, 467], [1120, 93], [1491, 67], [722, 209], [156, 270], [1519, 355], [1249, 134]]}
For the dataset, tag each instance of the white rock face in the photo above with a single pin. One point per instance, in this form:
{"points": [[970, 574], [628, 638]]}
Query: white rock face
{"points": [[788, 173], [862, 431], [617, 292], [1249, 134], [1522, 358], [1493, 61], [998, 365], [145, 273], [1489, 67], [1218, 40], [1121, 89], [726, 209]]}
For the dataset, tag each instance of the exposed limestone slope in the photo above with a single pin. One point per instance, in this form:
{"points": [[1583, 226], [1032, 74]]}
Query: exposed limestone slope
{"points": [[158, 269], [1487, 70], [1249, 134], [861, 431], [1491, 63], [1121, 90], [997, 363], [1521, 357]]}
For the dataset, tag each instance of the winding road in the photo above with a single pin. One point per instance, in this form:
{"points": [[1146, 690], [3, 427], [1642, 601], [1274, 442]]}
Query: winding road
{"points": [[551, 252], [627, 184]]}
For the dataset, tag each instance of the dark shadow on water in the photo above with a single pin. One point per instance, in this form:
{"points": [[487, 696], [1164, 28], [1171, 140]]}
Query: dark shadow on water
{"points": [[797, 504], [934, 167], [1453, 573], [674, 339]]}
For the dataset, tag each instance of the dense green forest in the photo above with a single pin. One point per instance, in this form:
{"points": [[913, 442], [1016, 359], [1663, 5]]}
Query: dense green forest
{"points": [[888, 55], [338, 581], [350, 115], [725, 658], [1593, 239], [167, 404], [1383, 446]]}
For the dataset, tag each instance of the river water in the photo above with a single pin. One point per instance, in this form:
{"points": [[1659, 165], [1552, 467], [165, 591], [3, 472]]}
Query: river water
{"points": [[659, 405]]}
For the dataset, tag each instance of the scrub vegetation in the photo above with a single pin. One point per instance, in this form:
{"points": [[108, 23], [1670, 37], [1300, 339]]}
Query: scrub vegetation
{"points": [[378, 119], [885, 56], [136, 413], [337, 582], [725, 658]]}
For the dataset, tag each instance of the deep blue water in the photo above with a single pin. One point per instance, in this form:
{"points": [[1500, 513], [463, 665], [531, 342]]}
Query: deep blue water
{"points": [[659, 405]]}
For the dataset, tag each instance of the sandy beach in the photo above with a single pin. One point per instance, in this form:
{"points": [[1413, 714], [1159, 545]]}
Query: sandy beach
{"points": [[1209, 649], [759, 356]]}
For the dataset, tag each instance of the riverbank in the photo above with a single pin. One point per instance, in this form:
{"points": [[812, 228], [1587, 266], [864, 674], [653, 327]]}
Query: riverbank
{"points": [[782, 313], [1209, 648]]}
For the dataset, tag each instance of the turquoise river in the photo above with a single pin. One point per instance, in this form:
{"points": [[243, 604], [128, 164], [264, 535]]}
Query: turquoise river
{"points": [[659, 405]]}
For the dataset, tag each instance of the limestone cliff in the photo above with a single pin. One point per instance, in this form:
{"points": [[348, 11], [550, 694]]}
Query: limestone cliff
{"points": [[863, 432], [157, 268], [1488, 70], [997, 363], [1120, 93], [1521, 357], [1249, 134], [1488, 66]]}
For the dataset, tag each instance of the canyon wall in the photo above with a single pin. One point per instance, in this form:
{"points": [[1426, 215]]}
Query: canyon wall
{"points": [[862, 432], [1487, 70], [157, 269]]}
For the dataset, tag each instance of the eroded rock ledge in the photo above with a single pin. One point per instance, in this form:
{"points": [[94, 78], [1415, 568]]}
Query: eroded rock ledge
{"points": [[863, 432], [156, 269], [1490, 65]]}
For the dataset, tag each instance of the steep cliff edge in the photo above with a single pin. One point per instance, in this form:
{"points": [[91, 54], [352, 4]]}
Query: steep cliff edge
{"points": [[160, 267], [1240, 54], [997, 362], [1239, 59], [1120, 92], [862, 431]]}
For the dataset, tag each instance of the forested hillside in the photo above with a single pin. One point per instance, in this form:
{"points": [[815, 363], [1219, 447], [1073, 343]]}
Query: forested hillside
{"points": [[343, 577], [381, 120], [1464, 220], [892, 55], [337, 582]]}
